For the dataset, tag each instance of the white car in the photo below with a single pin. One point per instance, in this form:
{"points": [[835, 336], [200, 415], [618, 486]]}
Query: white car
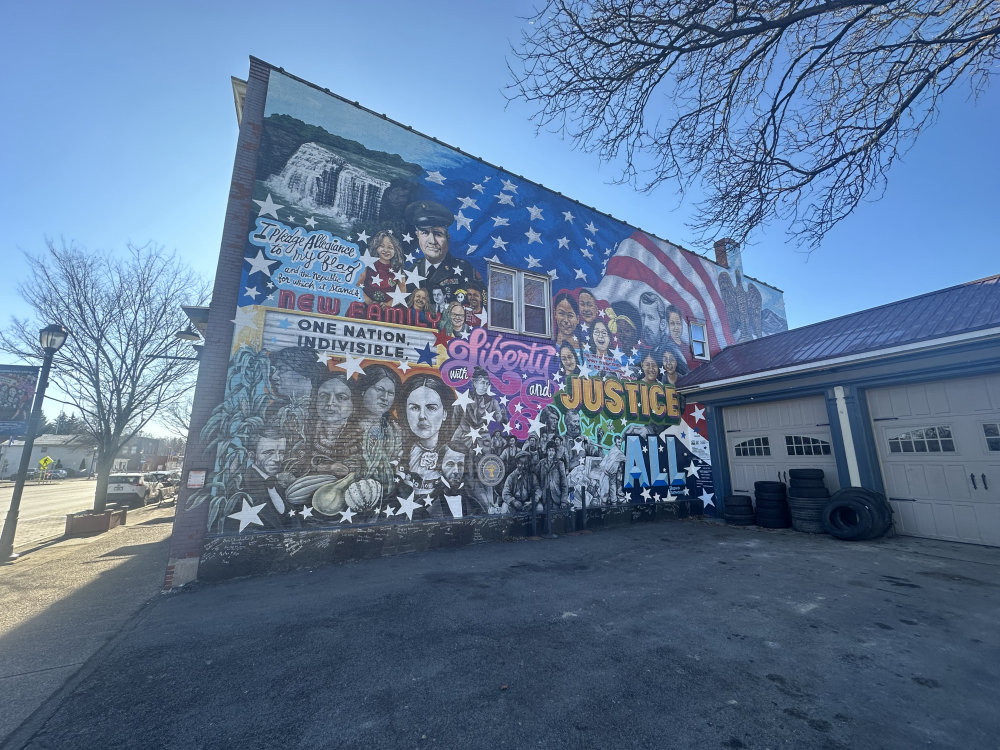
{"points": [[133, 490]]}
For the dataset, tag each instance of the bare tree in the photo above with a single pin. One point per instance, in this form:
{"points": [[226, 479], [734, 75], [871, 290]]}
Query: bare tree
{"points": [[118, 367], [778, 109]]}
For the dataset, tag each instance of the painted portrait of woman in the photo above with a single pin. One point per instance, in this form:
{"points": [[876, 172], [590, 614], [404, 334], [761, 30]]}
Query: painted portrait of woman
{"points": [[331, 446], [427, 403], [650, 367], [600, 358], [376, 435], [568, 361], [567, 318]]}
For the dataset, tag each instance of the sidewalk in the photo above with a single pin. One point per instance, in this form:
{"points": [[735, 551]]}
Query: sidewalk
{"points": [[61, 602], [684, 634]]}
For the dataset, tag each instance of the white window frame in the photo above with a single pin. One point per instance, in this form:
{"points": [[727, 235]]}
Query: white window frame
{"points": [[519, 277], [692, 322]]}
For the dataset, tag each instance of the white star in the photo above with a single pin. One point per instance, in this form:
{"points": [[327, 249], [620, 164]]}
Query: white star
{"points": [[563, 242], [509, 186], [251, 292], [469, 203], [306, 511], [478, 188], [590, 242], [376, 280], [244, 319], [533, 236], [567, 216], [586, 253], [478, 449], [645, 493], [692, 470], [369, 260], [463, 222], [534, 425], [352, 366], [505, 199], [494, 259], [499, 242], [409, 257], [311, 222], [323, 357], [290, 219], [404, 365], [628, 372], [585, 371], [435, 177], [248, 514], [463, 399], [398, 297], [536, 213], [389, 512], [706, 498], [465, 334], [407, 506], [472, 249], [473, 433], [267, 207], [697, 414], [591, 228], [617, 353], [347, 515], [645, 449], [260, 264], [552, 274], [414, 277], [533, 262], [500, 221], [580, 274], [407, 238], [557, 378], [363, 237]]}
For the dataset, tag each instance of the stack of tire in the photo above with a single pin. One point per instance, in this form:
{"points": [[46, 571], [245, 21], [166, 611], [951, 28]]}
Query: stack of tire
{"points": [[772, 507], [738, 510], [856, 514], [807, 499]]}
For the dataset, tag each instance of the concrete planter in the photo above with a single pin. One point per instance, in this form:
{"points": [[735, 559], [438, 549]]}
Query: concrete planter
{"points": [[88, 522]]}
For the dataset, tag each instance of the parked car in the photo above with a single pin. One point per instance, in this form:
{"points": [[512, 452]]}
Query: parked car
{"points": [[134, 490], [58, 474]]}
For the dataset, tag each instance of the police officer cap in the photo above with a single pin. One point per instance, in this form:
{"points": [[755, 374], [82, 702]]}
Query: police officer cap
{"points": [[423, 214]]}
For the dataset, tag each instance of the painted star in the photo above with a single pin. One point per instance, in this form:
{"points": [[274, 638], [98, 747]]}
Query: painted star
{"points": [[509, 186], [645, 493], [586, 253], [536, 213], [585, 371], [284, 323], [311, 223], [435, 177], [697, 414], [477, 187], [692, 470], [407, 238], [463, 222], [473, 433], [260, 264], [363, 237], [414, 277], [306, 511], [369, 260], [407, 506], [499, 243], [468, 203], [251, 292], [505, 199], [504, 400], [552, 274], [323, 357], [580, 274], [567, 216], [290, 219], [352, 366], [347, 515], [410, 257], [244, 319], [426, 355], [591, 228], [617, 353], [441, 338], [645, 449], [267, 207], [533, 236], [248, 514], [706, 498], [563, 242], [463, 400], [398, 297], [465, 334], [471, 249], [494, 259], [533, 262], [534, 425], [376, 280], [500, 221]]}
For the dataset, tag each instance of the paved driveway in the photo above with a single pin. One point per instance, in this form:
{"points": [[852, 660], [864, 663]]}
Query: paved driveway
{"points": [[671, 635]]}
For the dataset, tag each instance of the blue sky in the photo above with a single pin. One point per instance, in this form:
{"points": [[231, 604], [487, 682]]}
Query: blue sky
{"points": [[119, 125]]}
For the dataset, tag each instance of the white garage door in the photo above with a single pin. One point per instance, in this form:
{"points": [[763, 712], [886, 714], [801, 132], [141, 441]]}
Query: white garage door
{"points": [[765, 440], [939, 445]]}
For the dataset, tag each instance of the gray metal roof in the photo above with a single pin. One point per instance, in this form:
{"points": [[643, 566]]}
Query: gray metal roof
{"points": [[947, 312]]}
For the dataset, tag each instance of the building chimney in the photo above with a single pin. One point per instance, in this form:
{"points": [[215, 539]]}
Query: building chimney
{"points": [[722, 248]]}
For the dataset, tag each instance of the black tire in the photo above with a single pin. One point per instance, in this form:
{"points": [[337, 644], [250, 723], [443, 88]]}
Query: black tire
{"points": [[805, 473], [878, 504], [807, 483], [737, 501], [775, 488], [770, 497], [808, 492], [850, 519]]}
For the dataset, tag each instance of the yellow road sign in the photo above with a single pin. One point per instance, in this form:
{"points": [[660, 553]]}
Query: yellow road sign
{"points": [[45, 462]]}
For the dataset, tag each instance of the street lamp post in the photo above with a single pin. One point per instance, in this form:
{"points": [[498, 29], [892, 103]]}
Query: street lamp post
{"points": [[52, 338]]}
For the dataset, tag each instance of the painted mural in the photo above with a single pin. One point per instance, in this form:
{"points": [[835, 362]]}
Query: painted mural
{"points": [[17, 390], [421, 335]]}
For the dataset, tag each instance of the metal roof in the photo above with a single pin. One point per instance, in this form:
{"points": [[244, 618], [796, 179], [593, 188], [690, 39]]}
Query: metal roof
{"points": [[947, 312]]}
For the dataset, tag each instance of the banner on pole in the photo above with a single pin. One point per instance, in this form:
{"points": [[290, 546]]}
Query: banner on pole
{"points": [[17, 390]]}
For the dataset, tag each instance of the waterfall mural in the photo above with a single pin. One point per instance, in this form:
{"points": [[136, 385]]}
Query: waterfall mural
{"points": [[424, 336]]}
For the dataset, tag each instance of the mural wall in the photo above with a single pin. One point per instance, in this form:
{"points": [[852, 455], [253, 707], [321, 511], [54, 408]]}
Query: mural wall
{"points": [[421, 335]]}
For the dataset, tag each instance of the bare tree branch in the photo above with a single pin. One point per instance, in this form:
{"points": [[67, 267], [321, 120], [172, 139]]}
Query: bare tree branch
{"points": [[117, 365], [792, 110]]}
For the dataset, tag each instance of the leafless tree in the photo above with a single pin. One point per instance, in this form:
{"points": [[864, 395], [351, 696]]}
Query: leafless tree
{"points": [[777, 109], [118, 367]]}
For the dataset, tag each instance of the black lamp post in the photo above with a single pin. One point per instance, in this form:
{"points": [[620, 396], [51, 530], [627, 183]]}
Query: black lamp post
{"points": [[52, 338]]}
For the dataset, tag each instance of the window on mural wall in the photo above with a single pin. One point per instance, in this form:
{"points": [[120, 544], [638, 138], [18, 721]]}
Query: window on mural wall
{"points": [[760, 446], [698, 334], [935, 439], [803, 445], [519, 301]]}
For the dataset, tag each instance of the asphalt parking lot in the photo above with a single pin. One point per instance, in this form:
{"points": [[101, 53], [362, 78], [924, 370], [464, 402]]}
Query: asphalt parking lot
{"points": [[685, 634]]}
